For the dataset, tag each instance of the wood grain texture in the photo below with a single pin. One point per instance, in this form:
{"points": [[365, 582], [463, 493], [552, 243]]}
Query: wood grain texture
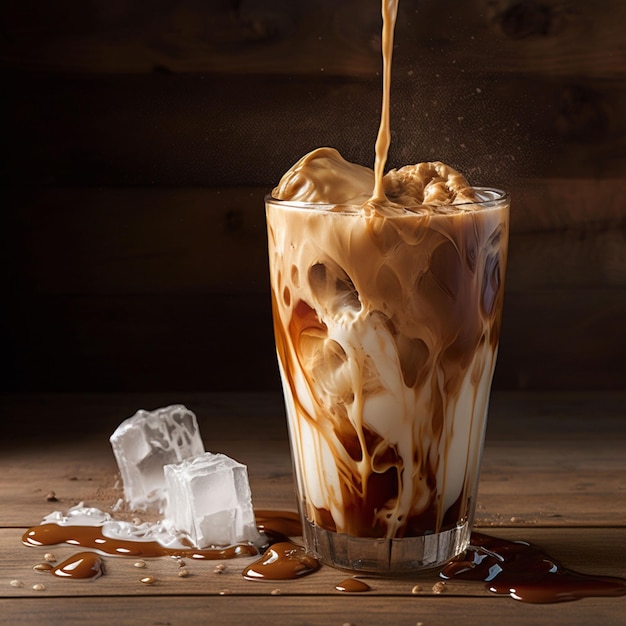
{"points": [[189, 241], [237, 130], [554, 37], [314, 611]]}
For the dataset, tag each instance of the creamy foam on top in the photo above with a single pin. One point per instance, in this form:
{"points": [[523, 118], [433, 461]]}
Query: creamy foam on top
{"points": [[323, 176]]}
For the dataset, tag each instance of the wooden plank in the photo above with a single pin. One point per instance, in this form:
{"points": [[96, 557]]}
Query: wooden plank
{"points": [[556, 339], [312, 37], [600, 552], [72, 343], [572, 258], [549, 460], [557, 204], [211, 130], [136, 240], [551, 339], [196, 240], [296, 611]]}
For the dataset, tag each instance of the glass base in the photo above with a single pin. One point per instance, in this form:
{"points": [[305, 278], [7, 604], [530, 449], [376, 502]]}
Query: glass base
{"points": [[385, 556]]}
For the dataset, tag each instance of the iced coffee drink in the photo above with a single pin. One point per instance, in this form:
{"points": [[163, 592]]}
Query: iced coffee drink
{"points": [[386, 319], [387, 298]]}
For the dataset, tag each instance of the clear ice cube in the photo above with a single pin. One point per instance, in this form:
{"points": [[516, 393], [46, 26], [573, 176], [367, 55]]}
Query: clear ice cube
{"points": [[146, 442], [209, 499]]}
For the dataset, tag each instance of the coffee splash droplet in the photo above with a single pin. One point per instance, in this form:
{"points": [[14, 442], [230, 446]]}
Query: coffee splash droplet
{"points": [[352, 585], [80, 566], [42, 567], [282, 561]]}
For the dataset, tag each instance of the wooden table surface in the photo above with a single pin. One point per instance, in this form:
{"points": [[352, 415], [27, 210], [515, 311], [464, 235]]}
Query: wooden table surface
{"points": [[554, 473]]}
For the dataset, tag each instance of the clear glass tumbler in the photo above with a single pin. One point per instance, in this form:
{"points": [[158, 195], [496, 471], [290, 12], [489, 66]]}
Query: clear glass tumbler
{"points": [[386, 329]]}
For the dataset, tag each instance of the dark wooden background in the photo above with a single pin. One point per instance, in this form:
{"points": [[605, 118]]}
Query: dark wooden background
{"points": [[140, 138]]}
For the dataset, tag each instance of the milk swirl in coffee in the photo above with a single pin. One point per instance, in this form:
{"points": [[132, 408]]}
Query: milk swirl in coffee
{"points": [[386, 328], [387, 298]]}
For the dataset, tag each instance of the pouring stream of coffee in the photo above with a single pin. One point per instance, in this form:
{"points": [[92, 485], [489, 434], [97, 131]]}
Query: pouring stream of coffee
{"points": [[383, 140]]}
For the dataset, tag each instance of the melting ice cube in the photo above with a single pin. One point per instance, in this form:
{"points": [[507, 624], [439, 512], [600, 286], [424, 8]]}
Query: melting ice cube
{"points": [[209, 499], [146, 442]]}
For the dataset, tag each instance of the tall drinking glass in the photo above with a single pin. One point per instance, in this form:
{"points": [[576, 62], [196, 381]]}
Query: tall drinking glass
{"points": [[386, 329]]}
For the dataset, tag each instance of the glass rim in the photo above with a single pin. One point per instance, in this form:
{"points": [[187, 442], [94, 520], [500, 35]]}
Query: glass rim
{"points": [[498, 197]]}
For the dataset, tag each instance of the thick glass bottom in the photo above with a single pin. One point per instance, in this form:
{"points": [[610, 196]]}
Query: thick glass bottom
{"points": [[385, 556]]}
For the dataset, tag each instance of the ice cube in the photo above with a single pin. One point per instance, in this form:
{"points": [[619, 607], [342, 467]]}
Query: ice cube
{"points": [[146, 442], [209, 499]]}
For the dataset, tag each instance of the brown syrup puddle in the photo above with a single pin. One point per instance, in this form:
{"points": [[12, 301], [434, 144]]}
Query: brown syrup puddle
{"points": [[285, 523], [79, 566], [282, 561], [526, 573], [92, 537], [352, 585]]}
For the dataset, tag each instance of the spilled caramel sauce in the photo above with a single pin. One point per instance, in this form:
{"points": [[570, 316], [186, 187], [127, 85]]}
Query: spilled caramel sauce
{"points": [[352, 585], [282, 561], [526, 573], [80, 566], [92, 537], [514, 568], [286, 523]]}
